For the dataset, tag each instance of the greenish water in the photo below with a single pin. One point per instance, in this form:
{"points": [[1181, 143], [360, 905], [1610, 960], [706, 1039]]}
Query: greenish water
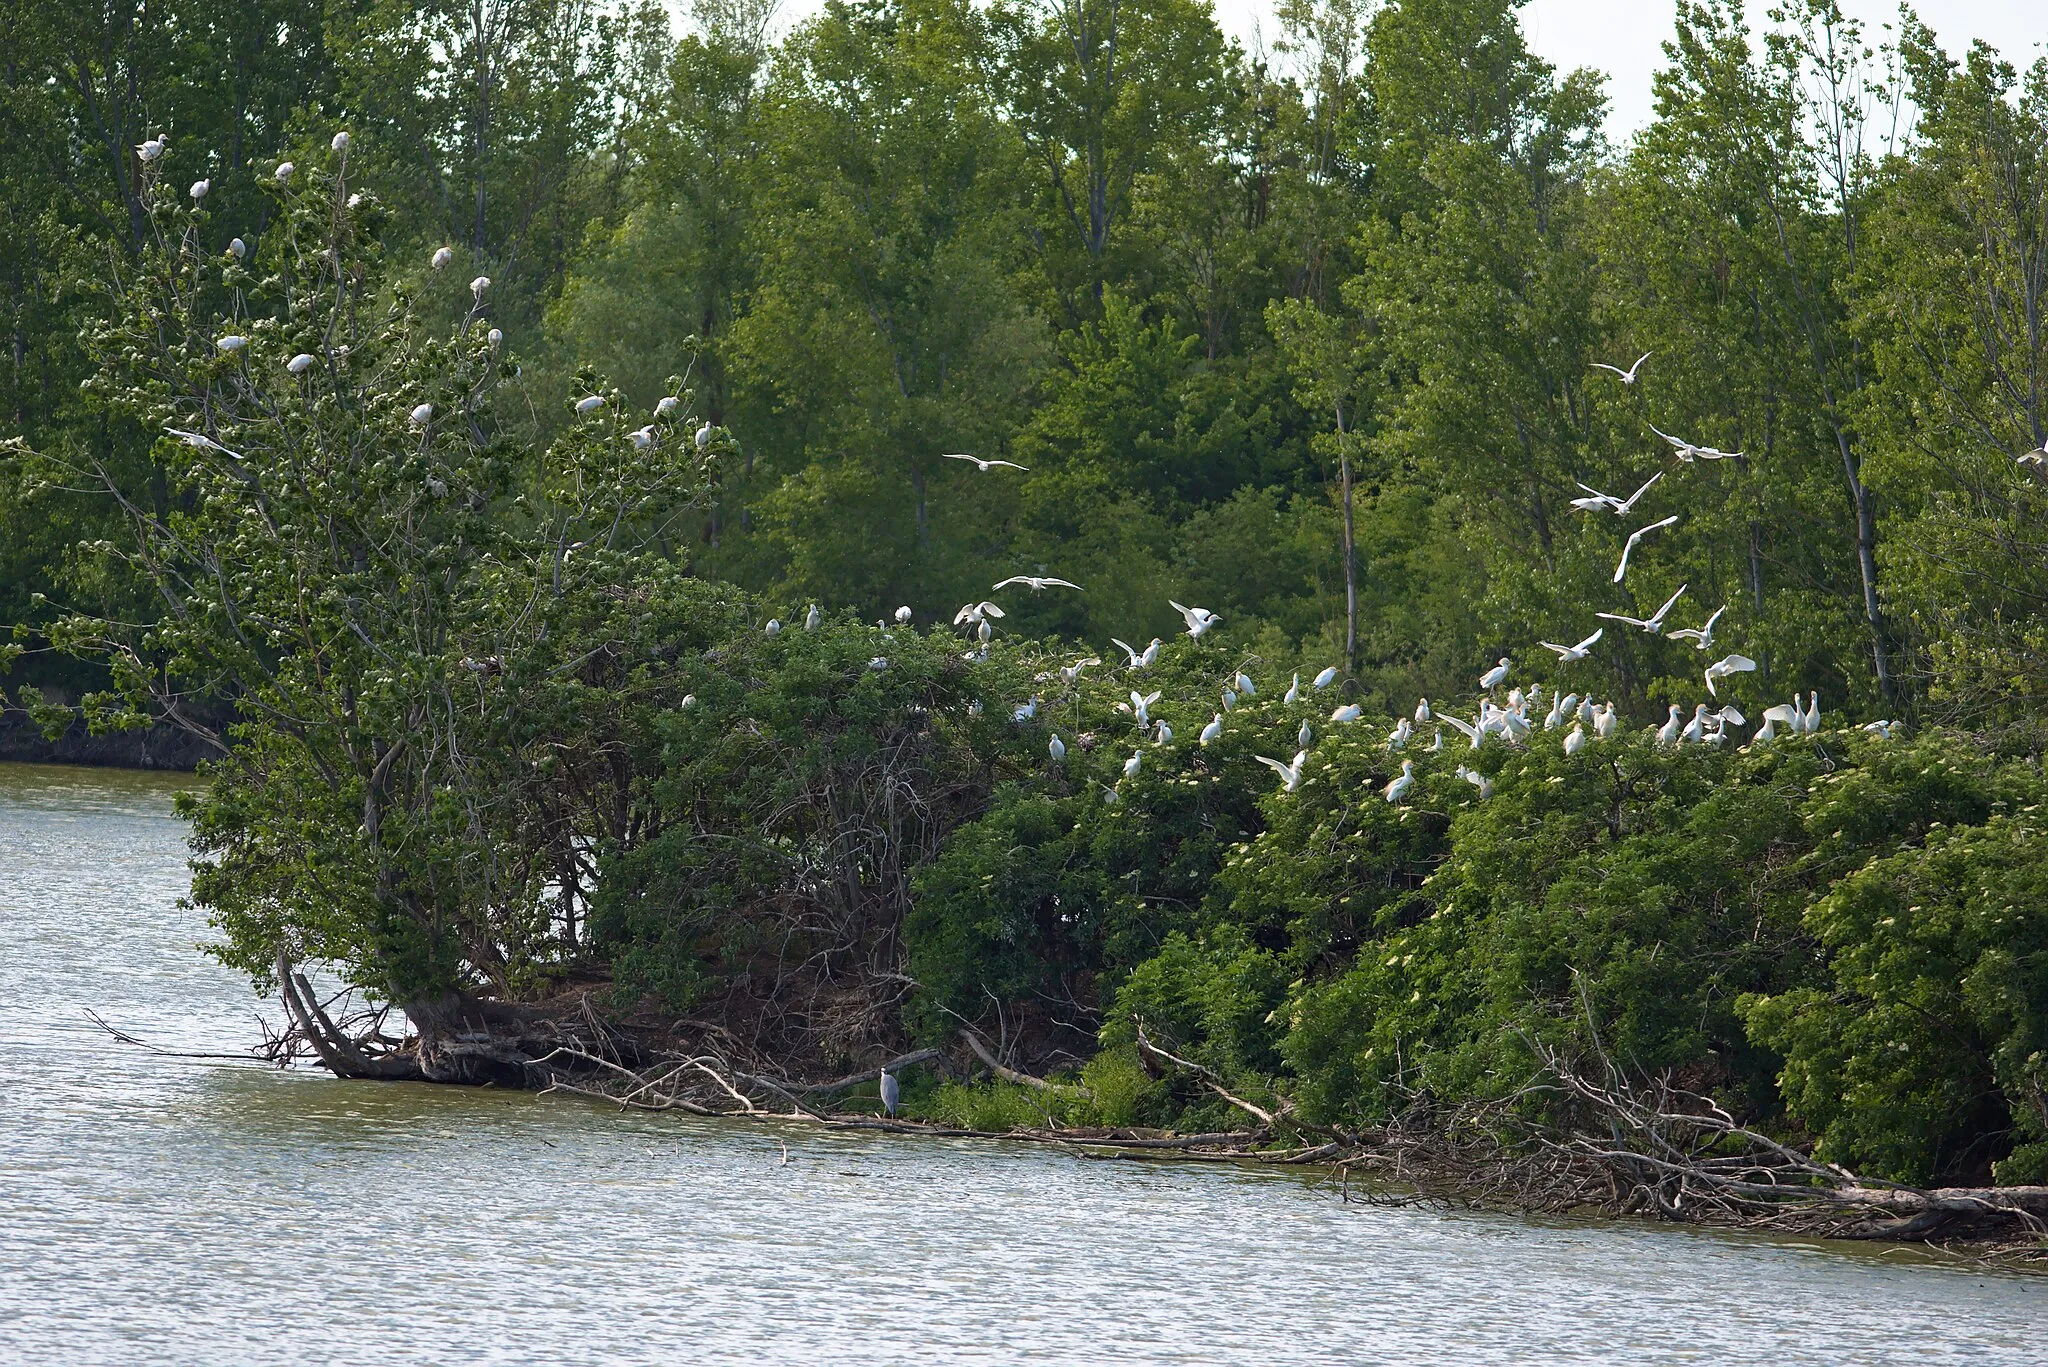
{"points": [[159, 1210]]}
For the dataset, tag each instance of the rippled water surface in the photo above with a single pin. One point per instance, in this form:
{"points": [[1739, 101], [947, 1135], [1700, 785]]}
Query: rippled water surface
{"points": [[160, 1210]]}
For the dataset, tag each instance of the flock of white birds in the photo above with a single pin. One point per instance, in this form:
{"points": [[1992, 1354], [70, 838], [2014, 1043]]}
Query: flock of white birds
{"points": [[1513, 719]]}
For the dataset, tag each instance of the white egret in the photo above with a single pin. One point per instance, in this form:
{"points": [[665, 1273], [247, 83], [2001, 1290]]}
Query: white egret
{"points": [[1436, 742], [1477, 780], [984, 465], [1037, 582], [1293, 690], [1165, 732], [1667, 734], [1576, 741], [1304, 736], [976, 613], [1634, 537], [1025, 711], [1199, 620], [442, 256], [1688, 451], [237, 248], [1810, 723], [1400, 787], [1422, 712], [689, 701], [1071, 674], [1722, 668], [1244, 685], [200, 440], [903, 615], [285, 169], [1627, 376], [300, 364], [1697, 727], [150, 150], [1585, 707], [1606, 721], [669, 404], [1397, 739], [703, 437], [1290, 774], [641, 437], [813, 619], [232, 342], [1057, 748], [422, 414], [340, 141], [1495, 677], [1621, 507], [1213, 730], [1572, 654], [1141, 704], [1229, 700], [1555, 717], [1350, 711], [589, 403], [1702, 638], [879, 663], [1139, 659], [1324, 679], [495, 338], [478, 286], [1132, 764], [774, 628], [1652, 624], [1109, 798], [1882, 730], [891, 1094]]}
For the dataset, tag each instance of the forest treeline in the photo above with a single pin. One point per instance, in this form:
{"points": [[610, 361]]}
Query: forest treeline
{"points": [[435, 404]]}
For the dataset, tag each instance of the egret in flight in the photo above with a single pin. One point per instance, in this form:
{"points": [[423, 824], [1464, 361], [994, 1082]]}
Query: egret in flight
{"points": [[1596, 500], [1036, 582], [976, 613], [985, 465], [1688, 452], [1627, 376], [1652, 624], [1722, 668], [1139, 659], [1572, 654], [1702, 638], [1633, 538]]}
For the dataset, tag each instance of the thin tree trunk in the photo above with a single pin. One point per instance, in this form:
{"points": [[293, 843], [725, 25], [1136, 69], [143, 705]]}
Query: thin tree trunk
{"points": [[1350, 550]]}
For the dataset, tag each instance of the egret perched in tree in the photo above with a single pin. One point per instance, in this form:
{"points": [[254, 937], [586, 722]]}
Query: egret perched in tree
{"points": [[1627, 376], [1576, 741], [1057, 749], [903, 616], [1722, 668], [1025, 711], [1229, 699], [1495, 677], [478, 286], [1164, 732], [1139, 660], [1212, 730], [879, 663], [1572, 654], [589, 403], [669, 404], [1398, 740], [1652, 624], [1350, 711], [495, 338], [1304, 736], [285, 169], [1324, 679], [983, 465], [1477, 780], [1037, 582], [1422, 712], [891, 1093], [237, 248], [1199, 620], [1606, 721], [1400, 787], [642, 438], [152, 149], [340, 141], [423, 414], [1290, 774], [1140, 703], [813, 619], [1697, 727], [1244, 685], [1702, 638], [1667, 734], [1634, 537], [232, 342], [300, 364], [1071, 674], [1132, 764], [774, 627], [442, 256]]}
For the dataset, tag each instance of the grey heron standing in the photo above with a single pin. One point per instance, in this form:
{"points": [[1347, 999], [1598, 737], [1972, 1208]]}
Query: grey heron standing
{"points": [[890, 1091]]}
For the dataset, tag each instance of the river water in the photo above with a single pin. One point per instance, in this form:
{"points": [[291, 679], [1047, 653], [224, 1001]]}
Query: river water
{"points": [[164, 1210]]}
